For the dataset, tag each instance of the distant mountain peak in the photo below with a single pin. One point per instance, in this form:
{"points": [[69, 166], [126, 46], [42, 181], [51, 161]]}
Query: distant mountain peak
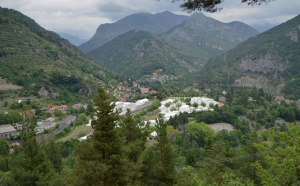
{"points": [[154, 23]]}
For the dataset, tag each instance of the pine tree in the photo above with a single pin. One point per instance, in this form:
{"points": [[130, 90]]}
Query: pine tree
{"points": [[158, 161], [101, 159], [166, 165], [135, 133], [30, 165], [53, 152]]}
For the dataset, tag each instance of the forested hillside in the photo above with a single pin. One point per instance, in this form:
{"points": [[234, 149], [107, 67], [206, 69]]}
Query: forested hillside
{"points": [[39, 60], [137, 53], [182, 151]]}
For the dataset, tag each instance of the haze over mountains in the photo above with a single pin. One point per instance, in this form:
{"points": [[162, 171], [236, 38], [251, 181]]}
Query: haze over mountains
{"points": [[73, 39]]}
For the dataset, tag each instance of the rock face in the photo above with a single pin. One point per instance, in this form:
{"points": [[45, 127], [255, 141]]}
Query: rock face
{"points": [[154, 23], [268, 63], [270, 60]]}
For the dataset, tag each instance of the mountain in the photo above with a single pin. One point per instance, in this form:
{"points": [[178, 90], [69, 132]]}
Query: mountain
{"points": [[42, 63], [154, 23], [137, 53], [72, 39], [270, 60], [208, 35]]}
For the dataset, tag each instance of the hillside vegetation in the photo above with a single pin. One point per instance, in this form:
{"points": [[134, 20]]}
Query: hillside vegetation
{"points": [[138, 53], [39, 60], [269, 60], [153, 23], [183, 49]]}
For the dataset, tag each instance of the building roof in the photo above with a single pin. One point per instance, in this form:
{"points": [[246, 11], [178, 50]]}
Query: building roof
{"points": [[220, 105], [279, 98], [7, 128]]}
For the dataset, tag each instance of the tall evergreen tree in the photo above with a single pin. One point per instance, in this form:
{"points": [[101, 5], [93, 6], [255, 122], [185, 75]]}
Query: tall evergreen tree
{"points": [[158, 161], [135, 133], [30, 165], [166, 165], [53, 152], [101, 160]]}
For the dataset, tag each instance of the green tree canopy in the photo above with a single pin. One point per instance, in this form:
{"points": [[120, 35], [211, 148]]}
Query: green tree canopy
{"points": [[212, 5], [101, 159]]}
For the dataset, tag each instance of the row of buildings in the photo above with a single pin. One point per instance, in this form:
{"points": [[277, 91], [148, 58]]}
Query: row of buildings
{"points": [[65, 108]]}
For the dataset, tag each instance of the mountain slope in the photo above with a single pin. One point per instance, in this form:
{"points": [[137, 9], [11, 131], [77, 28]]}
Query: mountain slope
{"points": [[42, 62], [270, 60], [209, 35], [137, 53], [154, 23]]}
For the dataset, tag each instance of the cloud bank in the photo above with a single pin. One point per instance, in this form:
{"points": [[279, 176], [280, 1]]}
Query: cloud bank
{"points": [[82, 18]]}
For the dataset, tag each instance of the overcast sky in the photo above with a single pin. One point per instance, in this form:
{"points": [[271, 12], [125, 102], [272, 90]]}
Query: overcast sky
{"points": [[82, 17]]}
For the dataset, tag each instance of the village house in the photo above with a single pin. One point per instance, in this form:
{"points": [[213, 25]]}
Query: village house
{"points": [[220, 105], [224, 93], [134, 84], [278, 99], [62, 108], [153, 92], [144, 90], [77, 106], [222, 99], [121, 86], [288, 101], [122, 99], [7, 131]]}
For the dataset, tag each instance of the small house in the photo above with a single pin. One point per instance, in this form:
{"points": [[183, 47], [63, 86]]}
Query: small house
{"points": [[144, 90], [7, 131], [278, 99]]}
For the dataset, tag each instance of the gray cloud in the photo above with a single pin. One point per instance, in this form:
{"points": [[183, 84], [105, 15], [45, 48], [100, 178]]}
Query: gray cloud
{"points": [[81, 18]]}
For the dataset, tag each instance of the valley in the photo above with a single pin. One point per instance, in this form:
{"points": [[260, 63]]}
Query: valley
{"points": [[150, 99]]}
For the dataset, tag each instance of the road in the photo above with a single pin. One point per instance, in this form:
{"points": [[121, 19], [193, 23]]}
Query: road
{"points": [[62, 125]]}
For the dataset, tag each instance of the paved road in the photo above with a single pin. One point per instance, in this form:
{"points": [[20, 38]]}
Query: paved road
{"points": [[64, 123]]}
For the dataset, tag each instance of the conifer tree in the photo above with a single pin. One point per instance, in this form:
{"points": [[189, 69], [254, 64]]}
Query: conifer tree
{"points": [[166, 165], [53, 152], [158, 161], [135, 133], [101, 159], [30, 165]]}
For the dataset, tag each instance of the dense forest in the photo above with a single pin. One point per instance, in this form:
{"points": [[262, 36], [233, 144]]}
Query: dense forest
{"points": [[186, 151]]}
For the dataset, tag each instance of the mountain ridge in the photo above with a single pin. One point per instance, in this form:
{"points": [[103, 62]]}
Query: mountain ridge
{"points": [[269, 60], [154, 23], [37, 59], [137, 53]]}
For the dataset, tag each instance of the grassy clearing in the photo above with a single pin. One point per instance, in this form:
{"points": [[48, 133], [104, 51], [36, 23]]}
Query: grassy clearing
{"points": [[152, 116], [76, 131]]}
